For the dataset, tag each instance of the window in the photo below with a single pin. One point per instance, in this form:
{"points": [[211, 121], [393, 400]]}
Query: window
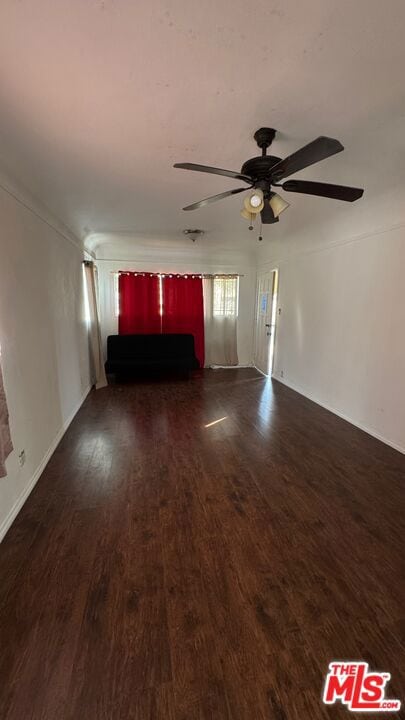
{"points": [[225, 300], [226, 297]]}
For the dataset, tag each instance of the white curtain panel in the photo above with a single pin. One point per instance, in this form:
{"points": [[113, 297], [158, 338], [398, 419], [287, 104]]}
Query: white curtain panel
{"points": [[97, 365], [6, 445], [220, 320]]}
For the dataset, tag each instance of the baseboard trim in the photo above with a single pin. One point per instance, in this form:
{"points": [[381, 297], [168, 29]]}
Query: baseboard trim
{"points": [[333, 410], [8, 521], [260, 371], [228, 367]]}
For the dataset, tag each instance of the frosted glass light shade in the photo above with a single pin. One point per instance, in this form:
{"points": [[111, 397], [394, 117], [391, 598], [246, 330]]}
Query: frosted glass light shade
{"points": [[254, 201], [248, 215], [277, 204]]}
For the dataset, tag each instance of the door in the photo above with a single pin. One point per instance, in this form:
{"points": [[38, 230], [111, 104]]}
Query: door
{"points": [[265, 320]]}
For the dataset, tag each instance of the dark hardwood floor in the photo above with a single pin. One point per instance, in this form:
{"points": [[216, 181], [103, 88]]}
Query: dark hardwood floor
{"points": [[166, 570]]}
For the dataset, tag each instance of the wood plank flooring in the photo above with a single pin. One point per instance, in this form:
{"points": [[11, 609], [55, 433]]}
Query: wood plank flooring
{"points": [[165, 570]]}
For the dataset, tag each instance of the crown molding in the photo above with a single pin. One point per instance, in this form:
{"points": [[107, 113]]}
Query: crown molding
{"points": [[24, 197], [136, 248], [282, 260]]}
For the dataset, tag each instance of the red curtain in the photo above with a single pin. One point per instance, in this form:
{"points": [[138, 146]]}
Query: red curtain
{"points": [[139, 304], [183, 310]]}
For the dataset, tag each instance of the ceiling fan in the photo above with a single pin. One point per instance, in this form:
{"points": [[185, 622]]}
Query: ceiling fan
{"points": [[266, 171]]}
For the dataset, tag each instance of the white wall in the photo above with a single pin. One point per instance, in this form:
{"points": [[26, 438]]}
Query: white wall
{"points": [[44, 345], [182, 260], [341, 334]]}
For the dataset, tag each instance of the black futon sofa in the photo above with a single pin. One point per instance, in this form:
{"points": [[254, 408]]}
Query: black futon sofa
{"points": [[128, 354]]}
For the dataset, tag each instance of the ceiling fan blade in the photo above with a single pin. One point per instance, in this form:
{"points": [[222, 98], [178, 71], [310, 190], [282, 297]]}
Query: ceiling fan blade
{"points": [[267, 214], [337, 192], [213, 171], [319, 149], [214, 198]]}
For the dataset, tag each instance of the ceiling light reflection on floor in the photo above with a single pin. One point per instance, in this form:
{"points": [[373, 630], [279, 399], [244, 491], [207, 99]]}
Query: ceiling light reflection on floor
{"points": [[216, 421]]}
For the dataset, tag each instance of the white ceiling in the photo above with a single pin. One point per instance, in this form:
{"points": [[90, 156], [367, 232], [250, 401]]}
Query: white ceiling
{"points": [[98, 99]]}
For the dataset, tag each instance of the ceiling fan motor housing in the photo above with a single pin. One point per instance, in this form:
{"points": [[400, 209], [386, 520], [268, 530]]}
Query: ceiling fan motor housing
{"points": [[259, 168]]}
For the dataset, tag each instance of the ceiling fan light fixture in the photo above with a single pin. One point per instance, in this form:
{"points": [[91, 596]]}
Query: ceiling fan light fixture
{"points": [[254, 202], [193, 234], [278, 204]]}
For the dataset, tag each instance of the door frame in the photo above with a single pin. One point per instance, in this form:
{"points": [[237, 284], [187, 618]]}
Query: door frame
{"points": [[275, 314]]}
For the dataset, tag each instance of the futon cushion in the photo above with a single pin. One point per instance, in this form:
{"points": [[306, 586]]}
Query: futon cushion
{"points": [[131, 352]]}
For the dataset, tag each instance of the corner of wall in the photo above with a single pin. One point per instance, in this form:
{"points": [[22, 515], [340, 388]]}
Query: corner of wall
{"points": [[10, 517]]}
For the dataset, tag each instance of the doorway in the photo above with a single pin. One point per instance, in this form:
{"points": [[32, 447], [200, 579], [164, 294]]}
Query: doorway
{"points": [[266, 315]]}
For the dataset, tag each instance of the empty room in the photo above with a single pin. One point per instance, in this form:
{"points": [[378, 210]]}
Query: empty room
{"points": [[202, 359]]}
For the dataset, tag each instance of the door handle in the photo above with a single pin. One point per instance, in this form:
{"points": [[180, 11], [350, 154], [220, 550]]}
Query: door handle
{"points": [[267, 325]]}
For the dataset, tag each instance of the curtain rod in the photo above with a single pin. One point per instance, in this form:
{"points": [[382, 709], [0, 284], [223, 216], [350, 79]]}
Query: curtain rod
{"points": [[174, 274]]}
